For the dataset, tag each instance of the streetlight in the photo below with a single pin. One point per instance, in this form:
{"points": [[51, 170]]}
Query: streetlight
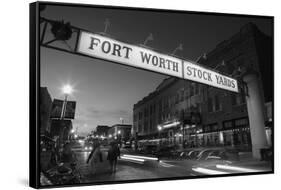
{"points": [[67, 90], [159, 130], [122, 120]]}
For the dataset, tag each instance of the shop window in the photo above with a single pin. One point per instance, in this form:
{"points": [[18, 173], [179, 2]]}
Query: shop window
{"points": [[207, 128], [238, 99], [196, 89], [218, 105], [198, 106], [186, 94], [177, 98], [241, 122], [210, 105], [228, 125], [150, 124], [176, 113], [146, 112], [192, 89], [135, 117], [140, 115], [145, 126], [139, 128], [160, 106], [181, 95]]}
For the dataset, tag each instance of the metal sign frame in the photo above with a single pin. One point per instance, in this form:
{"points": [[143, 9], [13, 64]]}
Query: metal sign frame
{"points": [[76, 36]]}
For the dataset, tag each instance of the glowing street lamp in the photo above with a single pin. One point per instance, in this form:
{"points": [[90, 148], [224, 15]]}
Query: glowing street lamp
{"points": [[159, 131], [67, 89], [159, 128]]}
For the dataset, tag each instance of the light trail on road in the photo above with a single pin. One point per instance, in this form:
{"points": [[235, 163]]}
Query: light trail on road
{"points": [[208, 171], [235, 168], [141, 157], [135, 160]]}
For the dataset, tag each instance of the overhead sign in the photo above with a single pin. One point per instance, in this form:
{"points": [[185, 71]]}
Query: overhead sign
{"points": [[99, 46], [106, 48], [56, 108], [70, 110], [200, 74]]}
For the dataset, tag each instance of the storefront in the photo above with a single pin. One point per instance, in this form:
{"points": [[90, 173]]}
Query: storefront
{"points": [[235, 132]]}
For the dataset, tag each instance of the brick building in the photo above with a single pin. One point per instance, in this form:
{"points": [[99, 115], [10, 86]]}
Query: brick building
{"points": [[184, 112]]}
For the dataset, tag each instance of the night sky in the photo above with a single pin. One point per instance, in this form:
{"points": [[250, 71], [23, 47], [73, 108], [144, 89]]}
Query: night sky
{"points": [[106, 92]]}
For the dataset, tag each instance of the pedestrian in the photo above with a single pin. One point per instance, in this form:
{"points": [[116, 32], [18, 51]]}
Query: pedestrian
{"points": [[68, 156], [113, 154], [95, 157]]}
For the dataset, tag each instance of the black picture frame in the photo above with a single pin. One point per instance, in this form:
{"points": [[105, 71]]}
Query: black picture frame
{"points": [[35, 84]]}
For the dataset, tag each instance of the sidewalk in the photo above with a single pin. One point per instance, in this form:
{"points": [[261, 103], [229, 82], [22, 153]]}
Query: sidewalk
{"points": [[123, 172]]}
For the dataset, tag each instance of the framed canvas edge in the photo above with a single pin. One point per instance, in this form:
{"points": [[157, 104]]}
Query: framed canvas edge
{"points": [[34, 98]]}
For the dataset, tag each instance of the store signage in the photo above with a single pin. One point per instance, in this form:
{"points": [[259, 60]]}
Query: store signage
{"points": [[99, 46]]}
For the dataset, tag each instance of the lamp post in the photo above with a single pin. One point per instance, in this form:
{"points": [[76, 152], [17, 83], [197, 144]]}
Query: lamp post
{"points": [[119, 136], [122, 120], [67, 90], [159, 136]]}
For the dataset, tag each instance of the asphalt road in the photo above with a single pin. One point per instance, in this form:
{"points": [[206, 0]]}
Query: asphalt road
{"points": [[128, 170], [150, 169]]}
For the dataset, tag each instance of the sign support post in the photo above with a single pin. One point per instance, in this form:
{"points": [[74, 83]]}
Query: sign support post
{"points": [[255, 105]]}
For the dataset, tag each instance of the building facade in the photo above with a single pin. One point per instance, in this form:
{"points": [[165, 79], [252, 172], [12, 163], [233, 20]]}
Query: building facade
{"points": [[120, 132], [45, 110], [102, 130], [192, 114]]}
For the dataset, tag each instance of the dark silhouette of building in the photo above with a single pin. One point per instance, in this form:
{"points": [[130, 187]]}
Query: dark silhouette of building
{"points": [[102, 130], [120, 132], [45, 110]]}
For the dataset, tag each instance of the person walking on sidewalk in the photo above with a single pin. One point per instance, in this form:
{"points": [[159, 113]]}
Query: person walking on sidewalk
{"points": [[95, 158], [113, 154]]}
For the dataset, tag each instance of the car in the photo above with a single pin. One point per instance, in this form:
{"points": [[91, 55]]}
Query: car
{"points": [[204, 154], [127, 145], [88, 147]]}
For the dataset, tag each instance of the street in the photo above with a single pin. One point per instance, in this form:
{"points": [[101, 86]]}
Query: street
{"points": [[133, 169], [128, 170]]}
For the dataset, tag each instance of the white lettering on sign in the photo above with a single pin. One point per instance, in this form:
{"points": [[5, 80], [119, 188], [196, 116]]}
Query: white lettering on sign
{"points": [[102, 47], [99, 46], [200, 74]]}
